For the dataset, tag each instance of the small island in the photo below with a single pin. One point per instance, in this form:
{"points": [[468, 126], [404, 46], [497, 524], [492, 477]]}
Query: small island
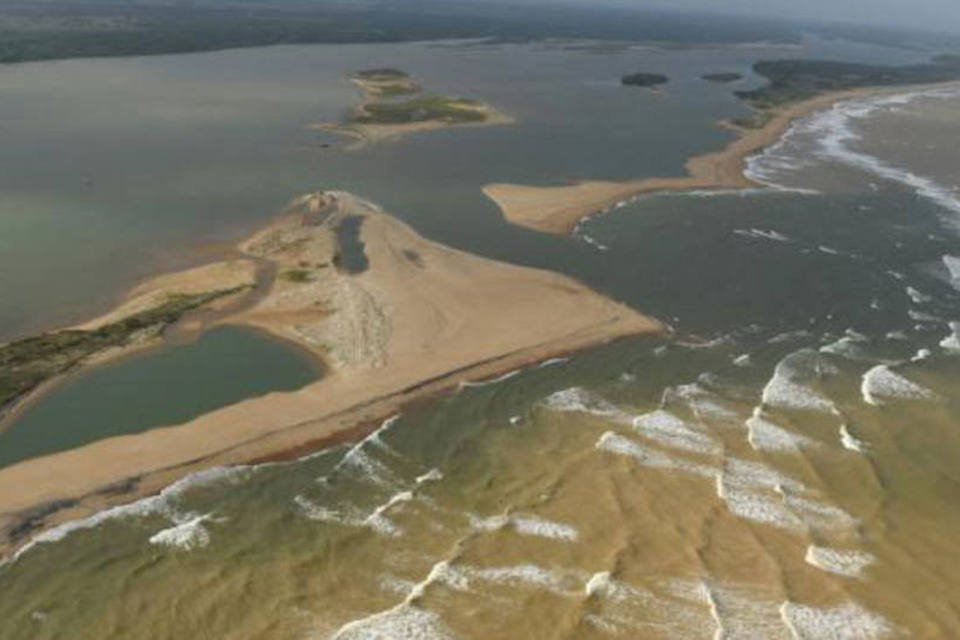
{"points": [[394, 106], [649, 80], [722, 77]]}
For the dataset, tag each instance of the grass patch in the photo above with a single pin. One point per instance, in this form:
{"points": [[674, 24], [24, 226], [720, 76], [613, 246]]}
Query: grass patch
{"points": [[424, 109], [297, 275], [26, 364]]}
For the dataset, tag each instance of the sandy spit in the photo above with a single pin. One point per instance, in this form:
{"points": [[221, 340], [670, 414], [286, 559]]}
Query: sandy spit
{"points": [[558, 209], [422, 319]]}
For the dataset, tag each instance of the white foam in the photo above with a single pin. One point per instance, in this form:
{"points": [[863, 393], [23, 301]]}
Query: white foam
{"points": [[757, 506], [617, 444], [787, 388], [434, 475], [669, 431], [742, 360], [951, 343], [952, 264], [844, 622], [491, 381], [842, 562], [835, 124], [552, 362], [534, 526], [320, 513], [764, 435], [918, 297], [378, 520], [882, 383], [576, 399], [820, 516], [763, 234], [849, 441], [187, 535], [403, 621], [849, 347], [833, 132], [527, 525], [151, 505], [704, 404], [743, 613], [527, 575]]}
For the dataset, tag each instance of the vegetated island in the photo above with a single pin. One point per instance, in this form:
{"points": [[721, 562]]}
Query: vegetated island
{"points": [[649, 80], [414, 319], [393, 106], [796, 89], [722, 77]]}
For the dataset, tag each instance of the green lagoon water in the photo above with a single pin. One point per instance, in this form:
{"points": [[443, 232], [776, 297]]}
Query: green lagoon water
{"points": [[157, 388]]}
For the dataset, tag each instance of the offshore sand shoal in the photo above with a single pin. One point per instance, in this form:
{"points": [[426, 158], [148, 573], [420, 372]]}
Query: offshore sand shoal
{"points": [[421, 319]]}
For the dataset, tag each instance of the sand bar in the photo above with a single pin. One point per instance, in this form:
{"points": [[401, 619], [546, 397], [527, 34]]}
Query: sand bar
{"points": [[558, 209], [421, 319]]}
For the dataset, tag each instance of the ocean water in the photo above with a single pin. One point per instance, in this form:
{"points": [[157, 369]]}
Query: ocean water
{"points": [[784, 467]]}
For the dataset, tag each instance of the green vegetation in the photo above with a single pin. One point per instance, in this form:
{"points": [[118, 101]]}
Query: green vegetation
{"points": [[297, 275], [25, 364], [383, 75], [644, 80], [796, 80], [422, 109], [50, 29], [722, 77]]}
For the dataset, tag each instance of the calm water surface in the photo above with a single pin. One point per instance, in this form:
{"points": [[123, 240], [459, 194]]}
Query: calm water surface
{"points": [[156, 388]]}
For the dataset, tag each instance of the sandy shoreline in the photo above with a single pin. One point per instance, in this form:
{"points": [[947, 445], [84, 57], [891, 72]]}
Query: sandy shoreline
{"points": [[558, 209], [422, 319]]}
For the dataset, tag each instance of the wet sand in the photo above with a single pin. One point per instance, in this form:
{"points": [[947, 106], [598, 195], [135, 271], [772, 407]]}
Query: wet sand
{"points": [[422, 319], [558, 209]]}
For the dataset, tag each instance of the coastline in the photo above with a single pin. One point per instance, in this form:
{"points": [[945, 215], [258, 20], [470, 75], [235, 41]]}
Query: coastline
{"points": [[559, 209], [420, 321]]}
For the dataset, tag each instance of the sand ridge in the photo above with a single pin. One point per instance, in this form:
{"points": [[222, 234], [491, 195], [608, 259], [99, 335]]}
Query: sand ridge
{"points": [[421, 319], [558, 209]]}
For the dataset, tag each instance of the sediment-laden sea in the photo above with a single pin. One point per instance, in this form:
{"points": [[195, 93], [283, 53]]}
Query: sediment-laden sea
{"points": [[785, 466]]}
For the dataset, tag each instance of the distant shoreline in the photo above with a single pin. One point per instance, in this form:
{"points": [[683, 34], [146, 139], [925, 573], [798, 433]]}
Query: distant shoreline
{"points": [[559, 209]]}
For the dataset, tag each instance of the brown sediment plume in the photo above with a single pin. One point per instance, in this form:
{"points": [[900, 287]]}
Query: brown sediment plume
{"points": [[421, 319], [558, 209]]}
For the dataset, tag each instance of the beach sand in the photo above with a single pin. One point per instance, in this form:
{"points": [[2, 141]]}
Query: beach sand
{"points": [[421, 319], [558, 209]]}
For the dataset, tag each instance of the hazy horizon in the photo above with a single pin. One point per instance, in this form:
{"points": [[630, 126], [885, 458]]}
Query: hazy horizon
{"points": [[932, 15]]}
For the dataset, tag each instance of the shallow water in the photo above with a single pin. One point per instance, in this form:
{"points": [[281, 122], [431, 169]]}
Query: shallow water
{"points": [[203, 148], [789, 474], [156, 388]]}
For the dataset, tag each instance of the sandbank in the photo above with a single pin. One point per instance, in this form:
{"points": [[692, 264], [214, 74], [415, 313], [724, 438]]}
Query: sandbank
{"points": [[558, 209], [421, 319]]}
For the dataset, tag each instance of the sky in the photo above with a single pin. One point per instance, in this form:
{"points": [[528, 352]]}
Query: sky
{"points": [[940, 15]]}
